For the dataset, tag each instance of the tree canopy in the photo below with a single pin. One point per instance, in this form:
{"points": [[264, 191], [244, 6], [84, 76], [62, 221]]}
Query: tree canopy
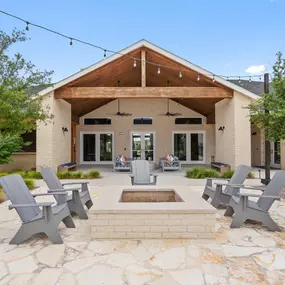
{"points": [[19, 108], [272, 122]]}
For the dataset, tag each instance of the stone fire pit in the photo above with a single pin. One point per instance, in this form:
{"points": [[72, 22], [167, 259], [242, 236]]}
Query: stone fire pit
{"points": [[152, 212]]}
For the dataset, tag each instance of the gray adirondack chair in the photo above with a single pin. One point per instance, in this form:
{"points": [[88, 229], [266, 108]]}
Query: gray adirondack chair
{"points": [[244, 209], [35, 220], [222, 196], [76, 200], [141, 174]]}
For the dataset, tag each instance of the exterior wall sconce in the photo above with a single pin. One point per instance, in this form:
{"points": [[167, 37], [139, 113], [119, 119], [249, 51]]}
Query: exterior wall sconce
{"points": [[64, 129], [221, 128], [253, 134]]}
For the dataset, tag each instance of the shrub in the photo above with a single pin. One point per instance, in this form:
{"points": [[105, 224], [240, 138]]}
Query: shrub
{"points": [[33, 175], [201, 172], [4, 174], [92, 174], [64, 175], [228, 174], [30, 183], [250, 175]]}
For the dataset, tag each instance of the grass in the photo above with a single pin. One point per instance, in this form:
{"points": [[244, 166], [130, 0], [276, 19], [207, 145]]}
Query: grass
{"points": [[201, 173]]}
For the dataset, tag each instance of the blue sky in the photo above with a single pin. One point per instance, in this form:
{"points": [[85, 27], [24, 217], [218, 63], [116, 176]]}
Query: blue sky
{"points": [[224, 36]]}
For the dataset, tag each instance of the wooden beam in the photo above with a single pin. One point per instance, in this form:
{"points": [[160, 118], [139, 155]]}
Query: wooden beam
{"points": [[138, 92], [143, 68]]}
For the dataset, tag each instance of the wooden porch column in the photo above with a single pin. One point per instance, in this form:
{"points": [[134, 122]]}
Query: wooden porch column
{"points": [[143, 68]]}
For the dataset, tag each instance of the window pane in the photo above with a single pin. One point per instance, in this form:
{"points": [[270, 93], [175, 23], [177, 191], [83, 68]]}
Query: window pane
{"points": [[136, 141], [197, 147], [97, 121], [277, 152], [148, 141], [89, 142], [188, 121], [106, 152], [142, 121], [180, 146]]}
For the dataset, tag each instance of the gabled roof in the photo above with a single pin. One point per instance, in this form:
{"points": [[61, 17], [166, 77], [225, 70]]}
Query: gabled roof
{"points": [[140, 44]]}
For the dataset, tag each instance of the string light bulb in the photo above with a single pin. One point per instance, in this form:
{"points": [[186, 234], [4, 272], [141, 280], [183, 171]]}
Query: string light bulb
{"points": [[135, 63], [158, 70], [105, 53], [70, 43], [180, 74], [227, 78], [198, 77], [239, 81], [27, 27], [249, 79], [214, 79], [260, 77]]}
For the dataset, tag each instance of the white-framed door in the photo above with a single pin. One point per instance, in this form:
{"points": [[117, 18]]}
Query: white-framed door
{"points": [[189, 146], [275, 154], [96, 147], [142, 145]]}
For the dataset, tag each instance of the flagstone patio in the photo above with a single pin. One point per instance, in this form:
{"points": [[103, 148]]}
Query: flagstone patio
{"points": [[249, 255]]}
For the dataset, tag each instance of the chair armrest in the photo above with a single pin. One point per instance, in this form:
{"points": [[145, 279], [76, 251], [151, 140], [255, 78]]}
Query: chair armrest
{"points": [[73, 183], [258, 196], [154, 174], [225, 179], [132, 175], [48, 194], [248, 187], [44, 204], [66, 189]]}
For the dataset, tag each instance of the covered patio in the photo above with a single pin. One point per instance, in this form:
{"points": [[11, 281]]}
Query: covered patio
{"points": [[173, 107]]}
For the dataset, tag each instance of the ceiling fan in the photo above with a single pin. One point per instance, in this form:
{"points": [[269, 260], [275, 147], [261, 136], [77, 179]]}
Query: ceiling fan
{"points": [[119, 113], [170, 114]]}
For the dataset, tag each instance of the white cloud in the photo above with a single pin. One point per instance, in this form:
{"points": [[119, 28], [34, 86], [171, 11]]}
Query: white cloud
{"points": [[255, 69]]}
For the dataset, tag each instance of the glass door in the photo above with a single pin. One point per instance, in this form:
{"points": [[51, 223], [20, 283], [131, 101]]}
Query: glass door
{"points": [[96, 148], [89, 147], [142, 146], [189, 147], [275, 154]]}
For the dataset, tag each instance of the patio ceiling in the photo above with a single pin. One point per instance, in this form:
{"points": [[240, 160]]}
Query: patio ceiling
{"points": [[120, 79]]}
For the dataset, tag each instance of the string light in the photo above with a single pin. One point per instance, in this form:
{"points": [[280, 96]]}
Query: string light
{"points": [[120, 53], [239, 81], [135, 63], [227, 78], [180, 74]]}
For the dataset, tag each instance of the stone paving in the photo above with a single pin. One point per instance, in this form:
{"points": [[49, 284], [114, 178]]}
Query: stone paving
{"points": [[249, 255]]}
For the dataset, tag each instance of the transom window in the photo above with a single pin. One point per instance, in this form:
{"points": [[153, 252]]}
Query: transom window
{"points": [[142, 121], [97, 121], [188, 121]]}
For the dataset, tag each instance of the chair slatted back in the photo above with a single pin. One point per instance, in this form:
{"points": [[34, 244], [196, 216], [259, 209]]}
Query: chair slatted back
{"points": [[274, 188], [53, 182], [140, 169], [239, 176], [18, 193]]}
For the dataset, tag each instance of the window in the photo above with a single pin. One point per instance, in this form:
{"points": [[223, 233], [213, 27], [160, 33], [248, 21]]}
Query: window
{"points": [[97, 121], [142, 121], [188, 121]]}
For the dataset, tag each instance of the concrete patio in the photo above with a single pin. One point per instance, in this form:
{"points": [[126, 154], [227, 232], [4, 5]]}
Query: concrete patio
{"points": [[242, 256]]}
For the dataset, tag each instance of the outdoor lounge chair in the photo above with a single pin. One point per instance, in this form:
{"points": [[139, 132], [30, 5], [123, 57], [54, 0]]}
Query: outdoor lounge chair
{"points": [[220, 195], [174, 165], [35, 220], [118, 165], [244, 209], [140, 173], [76, 200]]}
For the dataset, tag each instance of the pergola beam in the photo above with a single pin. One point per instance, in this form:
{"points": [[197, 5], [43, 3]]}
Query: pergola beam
{"points": [[138, 92]]}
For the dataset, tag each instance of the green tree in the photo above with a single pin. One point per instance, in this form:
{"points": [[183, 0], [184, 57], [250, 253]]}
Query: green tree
{"points": [[273, 122], [19, 107]]}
